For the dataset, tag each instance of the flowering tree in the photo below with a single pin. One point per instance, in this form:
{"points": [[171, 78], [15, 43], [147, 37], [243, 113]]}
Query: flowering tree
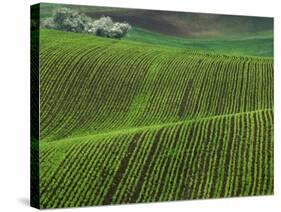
{"points": [[70, 20]]}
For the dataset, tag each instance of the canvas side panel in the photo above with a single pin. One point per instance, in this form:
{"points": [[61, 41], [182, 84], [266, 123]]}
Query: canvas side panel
{"points": [[34, 106]]}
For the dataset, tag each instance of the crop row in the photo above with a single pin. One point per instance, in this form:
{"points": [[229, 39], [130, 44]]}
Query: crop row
{"points": [[103, 86], [220, 157]]}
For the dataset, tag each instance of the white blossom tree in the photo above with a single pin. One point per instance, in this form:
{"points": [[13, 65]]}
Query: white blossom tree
{"points": [[70, 20]]}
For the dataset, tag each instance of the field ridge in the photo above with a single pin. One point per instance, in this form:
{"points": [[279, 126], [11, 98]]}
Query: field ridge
{"points": [[153, 127]]}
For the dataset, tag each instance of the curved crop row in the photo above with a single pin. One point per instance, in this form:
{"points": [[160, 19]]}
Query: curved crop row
{"points": [[125, 123], [217, 157], [101, 86]]}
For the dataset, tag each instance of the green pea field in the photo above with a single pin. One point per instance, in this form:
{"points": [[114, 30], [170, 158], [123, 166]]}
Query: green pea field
{"points": [[129, 121]]}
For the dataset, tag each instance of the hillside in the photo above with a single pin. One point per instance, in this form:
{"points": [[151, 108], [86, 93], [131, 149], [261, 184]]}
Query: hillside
{"points": [[244, 44], [179, 24], [123, 122], [222, 34]]}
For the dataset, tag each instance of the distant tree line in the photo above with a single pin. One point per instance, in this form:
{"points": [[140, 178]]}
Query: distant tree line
{"points": [[72, 21]]}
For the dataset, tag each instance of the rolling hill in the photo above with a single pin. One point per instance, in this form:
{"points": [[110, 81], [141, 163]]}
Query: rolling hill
{"points": [[244, 44], [222, 34], [127, 122], [178, 24]]}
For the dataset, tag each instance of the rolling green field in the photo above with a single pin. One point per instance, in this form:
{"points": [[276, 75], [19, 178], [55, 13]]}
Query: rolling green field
{"points": [[243, 44], [127, 122], [213, 33]]}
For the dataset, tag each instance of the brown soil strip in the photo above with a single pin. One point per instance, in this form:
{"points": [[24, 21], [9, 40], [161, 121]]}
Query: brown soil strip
{"points": [[121, 170]]}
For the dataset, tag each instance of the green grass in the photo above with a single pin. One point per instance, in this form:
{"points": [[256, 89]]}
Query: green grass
{"points": [[234, 35], [125, 122], [245, 44]]}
